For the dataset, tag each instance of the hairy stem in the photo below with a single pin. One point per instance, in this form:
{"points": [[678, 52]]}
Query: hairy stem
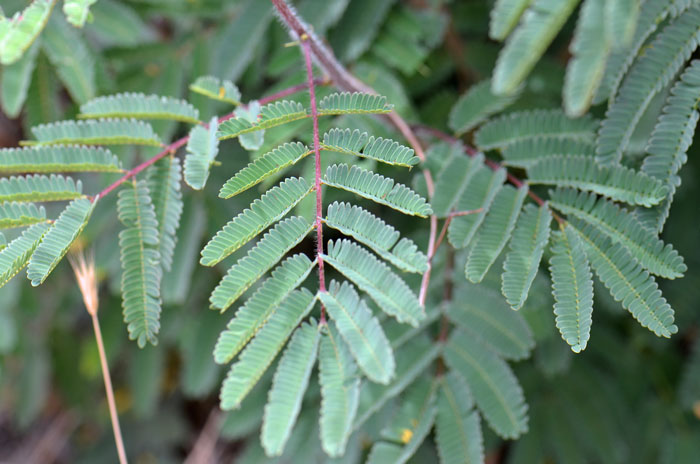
{"points": [[306, 47], [173, 147]]}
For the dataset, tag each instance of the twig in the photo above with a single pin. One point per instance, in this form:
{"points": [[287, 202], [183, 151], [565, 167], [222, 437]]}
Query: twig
{"points": [[87, 282], [317, 173], [205, 446], [173, 147]]}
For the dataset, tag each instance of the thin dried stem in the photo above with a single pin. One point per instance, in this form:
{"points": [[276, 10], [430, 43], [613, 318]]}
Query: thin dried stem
{"points": [[85, 274]]}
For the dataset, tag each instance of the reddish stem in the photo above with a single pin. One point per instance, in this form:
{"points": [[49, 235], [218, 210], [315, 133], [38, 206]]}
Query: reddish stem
{"points": [[317, 176], [173, 147]]}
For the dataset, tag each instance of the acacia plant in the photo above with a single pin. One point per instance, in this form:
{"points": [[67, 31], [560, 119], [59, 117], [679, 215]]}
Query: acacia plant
{"points": [[381, 289]]}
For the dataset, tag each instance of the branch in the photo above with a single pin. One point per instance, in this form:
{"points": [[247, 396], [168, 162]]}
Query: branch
{"points": [[173, 147], [306, 47]]}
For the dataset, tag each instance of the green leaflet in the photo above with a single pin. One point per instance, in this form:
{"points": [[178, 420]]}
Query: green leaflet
{"points": [[411, 361], [615, 181], [267, 252], [263, 212], [163, 181], [527, 245], [16, 79], [504, 16], [520, 125], [621, 226], [258, 309], [16, 254], [482, 313], [651, 15], [495, 231], [39, 188], [371, 231], [385, 452], [478, 104], [375, 278], [77, 11], [202, 148], [670, 140], [540, 23], [263, 167], [621, 21], [361, 331], [3, 241], [58, 239], [375, 187], [262, 350], [213, 87], [650, 73], [141, 268], [453, 180], [364, 145], [18, 33], [496, 390], [58, 159], [71, 57], [590, 49], [288, 387], [340, 391], [139, 106], [458, 427], [20, 214], [95, 132], [572, 287], [271, 115], [524, 153], [627, 281], [478, 194], [353, 103]]}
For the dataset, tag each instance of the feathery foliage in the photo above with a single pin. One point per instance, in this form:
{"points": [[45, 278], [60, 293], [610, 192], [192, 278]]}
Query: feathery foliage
{"points": [[353, 103], [572, 285], [375, 278], [77, 11], [494, 232], [527, 245], [621, 226], [457, 427], [364, 145], [340, 390], [217, 89], [39, 188], [163, 182], [266, 253], [627, 281], [262, 350], [58, 239], [263, 167], [18, 33], [271, 115], [382, 238], [95, 132], [615, 182], [504, 16], [14, 214], [375, 187], [540, 23], [288, 387], [360, 330], [648, 76], [476, 105], [141, 268], [524, 153], [263, 212], [139, 106], [58, 159], [15, 256], [258, 309], [202, 148], [513, 127], [494, 386]]}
